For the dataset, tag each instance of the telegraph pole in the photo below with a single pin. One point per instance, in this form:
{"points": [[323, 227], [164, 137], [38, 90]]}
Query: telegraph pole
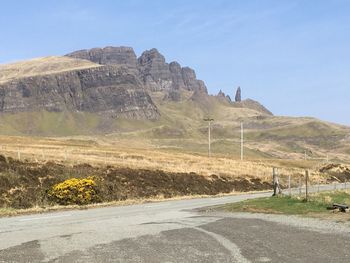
{"points": [[209, 120], [242, 141]]}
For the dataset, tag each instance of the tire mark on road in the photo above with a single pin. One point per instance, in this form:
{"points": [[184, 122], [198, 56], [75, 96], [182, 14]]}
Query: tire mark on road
{"points": [[232, 247]]}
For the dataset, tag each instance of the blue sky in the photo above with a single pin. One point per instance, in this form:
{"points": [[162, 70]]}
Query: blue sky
{"points": [[291, 55]]}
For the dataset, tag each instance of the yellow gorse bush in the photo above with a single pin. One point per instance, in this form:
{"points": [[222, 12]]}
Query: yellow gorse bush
{"points": [[75, 191]]}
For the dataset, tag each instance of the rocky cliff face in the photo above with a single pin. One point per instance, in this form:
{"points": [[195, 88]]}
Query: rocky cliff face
{"points": [[111, 81], [118, 88], [158, 75], [124, 56], [109, 90], [154, 72], [150, 67]]}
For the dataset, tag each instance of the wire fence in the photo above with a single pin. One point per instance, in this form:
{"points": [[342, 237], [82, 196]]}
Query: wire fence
{"points": [[301, 184], [292, 180]]}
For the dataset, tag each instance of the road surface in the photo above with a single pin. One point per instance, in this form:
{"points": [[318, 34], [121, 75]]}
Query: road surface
{"points": [[171, 231]]}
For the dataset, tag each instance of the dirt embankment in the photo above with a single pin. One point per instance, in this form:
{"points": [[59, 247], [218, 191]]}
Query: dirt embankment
{"points": [[336, 172], [26, 184]]}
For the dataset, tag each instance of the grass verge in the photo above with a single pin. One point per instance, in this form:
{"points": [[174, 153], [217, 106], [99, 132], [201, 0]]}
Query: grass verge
{"points": [[317, 204]]}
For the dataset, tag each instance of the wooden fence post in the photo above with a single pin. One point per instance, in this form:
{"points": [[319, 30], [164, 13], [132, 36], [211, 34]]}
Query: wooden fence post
{"points": [[274, 179], [275, 182]]}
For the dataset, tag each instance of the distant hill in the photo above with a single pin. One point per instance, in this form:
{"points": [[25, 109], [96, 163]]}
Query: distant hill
{"points": [[42, 66], [112, 91]]}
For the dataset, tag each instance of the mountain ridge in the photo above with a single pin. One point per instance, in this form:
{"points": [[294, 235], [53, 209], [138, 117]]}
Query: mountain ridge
{"points": [[112, 91]]}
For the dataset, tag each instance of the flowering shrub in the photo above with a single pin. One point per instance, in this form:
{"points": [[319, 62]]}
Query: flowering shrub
{"points": [[75, 191]]}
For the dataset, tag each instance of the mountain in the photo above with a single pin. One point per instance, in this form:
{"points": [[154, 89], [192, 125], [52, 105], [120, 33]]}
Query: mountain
{"points": [[150, 67], [112, 91], [74, 85]]}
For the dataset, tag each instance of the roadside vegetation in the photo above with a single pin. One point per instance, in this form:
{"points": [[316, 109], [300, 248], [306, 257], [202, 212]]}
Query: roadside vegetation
{"points": [[48, 172], [75, 191], [24, 184], [295, 205]]}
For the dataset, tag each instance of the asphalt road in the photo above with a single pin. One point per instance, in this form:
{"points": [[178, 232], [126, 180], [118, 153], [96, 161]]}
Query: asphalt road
{"points": [[171, 231]]}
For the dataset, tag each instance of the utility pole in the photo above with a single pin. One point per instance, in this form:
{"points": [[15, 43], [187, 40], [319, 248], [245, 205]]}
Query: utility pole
{"points": [[242, 141], [209, 120], [306, 185]]}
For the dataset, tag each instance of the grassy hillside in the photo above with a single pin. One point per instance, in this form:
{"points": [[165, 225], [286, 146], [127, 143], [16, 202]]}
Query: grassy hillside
{"points": [[181, 127], [42, 66]]}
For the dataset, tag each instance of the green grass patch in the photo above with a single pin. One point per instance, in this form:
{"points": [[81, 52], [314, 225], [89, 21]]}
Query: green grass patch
{"points": [[4, 211], [317, 203]]}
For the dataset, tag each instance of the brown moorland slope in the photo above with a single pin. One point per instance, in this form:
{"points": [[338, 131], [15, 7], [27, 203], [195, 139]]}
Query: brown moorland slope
{"points": [[42, 66]]}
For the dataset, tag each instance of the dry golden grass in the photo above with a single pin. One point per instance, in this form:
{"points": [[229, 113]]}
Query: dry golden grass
{"points": [[42, 66], [142, 155]]}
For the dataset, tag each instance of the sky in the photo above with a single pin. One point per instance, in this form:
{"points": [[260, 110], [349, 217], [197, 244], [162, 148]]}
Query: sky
{"points": [[293, 56]]}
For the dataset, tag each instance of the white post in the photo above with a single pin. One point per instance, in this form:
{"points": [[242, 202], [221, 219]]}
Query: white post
{"points": [[289, 188], [19, 154], [209, 120], [209, 128], [242, 141]]}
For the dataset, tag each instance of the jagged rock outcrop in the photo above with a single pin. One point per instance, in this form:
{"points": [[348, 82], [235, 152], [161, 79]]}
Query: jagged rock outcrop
{"points": [[158, 75], [154, 71], [238, 96], [124, 56], [221, 94], [151, 67], [109, 90], [118, 88], [109, 81], [176, 76], [191, 81]]}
